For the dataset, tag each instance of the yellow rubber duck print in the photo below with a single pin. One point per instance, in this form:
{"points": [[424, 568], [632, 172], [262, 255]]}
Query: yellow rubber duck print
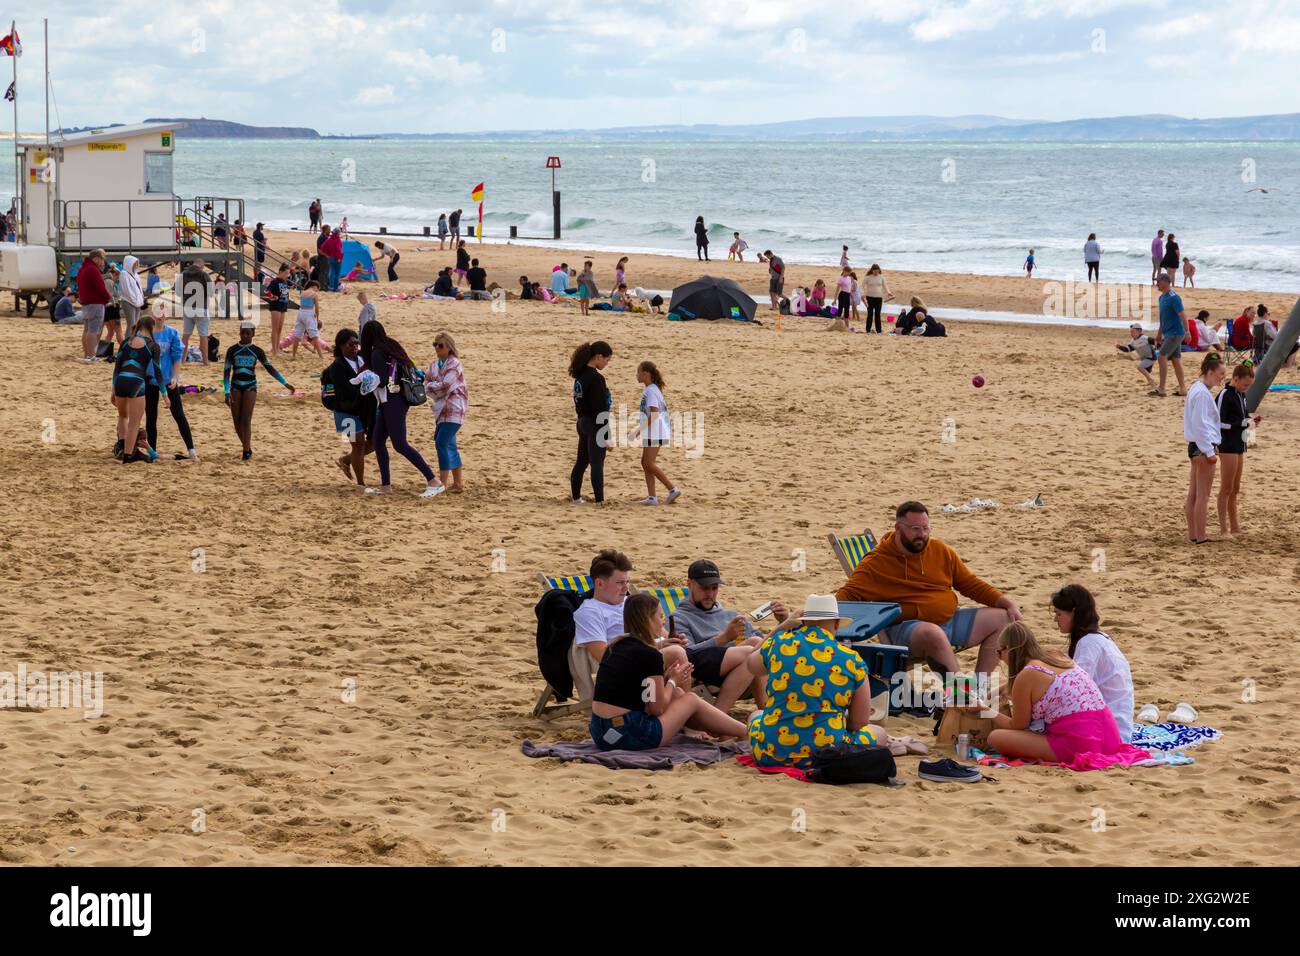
{"points": [[785, 738], [789, 650], [805, 721], [843, 698], [774, 665], [802, 667], [794, 704], [779, 684], [812, 637], [822, 739], [836, 723], [771, 716], [803, 753], [837, 676], [824, 655], [814, 689]]}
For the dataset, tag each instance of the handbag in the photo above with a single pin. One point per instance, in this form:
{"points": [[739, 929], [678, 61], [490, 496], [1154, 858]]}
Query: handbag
{"points": [[852, 763], [412, 381]]}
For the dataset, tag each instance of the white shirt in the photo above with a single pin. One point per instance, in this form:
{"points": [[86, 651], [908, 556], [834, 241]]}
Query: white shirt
{"points": [[656, 426], [597, 622], [1201, 419], [385, 249], [1106, 665], [874, 286], [1206, 335]]}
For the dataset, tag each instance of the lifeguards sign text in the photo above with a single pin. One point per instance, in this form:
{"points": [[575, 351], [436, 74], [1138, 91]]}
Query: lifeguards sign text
{"points": [[106, 147]]}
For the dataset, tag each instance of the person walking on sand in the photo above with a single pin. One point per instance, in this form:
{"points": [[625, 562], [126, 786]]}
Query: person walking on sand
{"points": [[462, 261], [445, 383], [1234, 421], [442, 231], [239, 381], [454, 222], [277, 303], [876, 292], [130, 293], [844, 298], [592, 402], [738, 247], [1157, 254], [386, 358], [855, 295], [353, 405], [775, 278], [138, 360], [1203, 430], [196, 311], [1172, 258], [620, 276], [167, 382], [1170, 334], [259, 244], [1092, 257], [844, 257], [1189, 273], [1029, 265], [654, 431], [701, 239], [306, 328]]}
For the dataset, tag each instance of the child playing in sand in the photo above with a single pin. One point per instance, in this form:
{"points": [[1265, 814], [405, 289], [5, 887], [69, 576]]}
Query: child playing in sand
{"points": [[367, 313], [1029, 264], [738, 247], [817, 301], [1145, 347], [306, 327], [1235, 419], [654, 430]]}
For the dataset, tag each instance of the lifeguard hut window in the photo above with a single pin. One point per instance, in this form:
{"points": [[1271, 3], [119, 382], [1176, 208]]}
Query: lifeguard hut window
{"points": [[158, 173]]}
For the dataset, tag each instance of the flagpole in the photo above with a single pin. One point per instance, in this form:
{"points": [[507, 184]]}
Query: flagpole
{"points": [[18, 170], [47, 84]]}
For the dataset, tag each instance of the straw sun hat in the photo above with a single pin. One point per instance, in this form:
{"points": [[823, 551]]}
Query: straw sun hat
{"points": [[821, 609]]}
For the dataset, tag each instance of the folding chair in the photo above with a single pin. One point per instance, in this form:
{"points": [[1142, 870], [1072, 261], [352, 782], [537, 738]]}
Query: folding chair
{"points": [[669, 598], [1233, 353], [544, 708], [852, 549]]}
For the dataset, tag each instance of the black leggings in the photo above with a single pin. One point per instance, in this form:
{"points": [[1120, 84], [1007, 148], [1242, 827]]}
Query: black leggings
{"points": [[844, 302], [873, 312], [392, 267], [702, 252], [1094, 271], [177, 409], [390, 426], [590, 452]]}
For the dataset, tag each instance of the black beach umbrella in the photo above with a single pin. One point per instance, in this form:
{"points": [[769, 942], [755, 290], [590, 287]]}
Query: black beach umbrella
{"points": [[711, 298]]}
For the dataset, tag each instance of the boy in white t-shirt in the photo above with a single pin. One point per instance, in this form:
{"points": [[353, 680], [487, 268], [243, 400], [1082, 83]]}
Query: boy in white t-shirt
{"points": [[654, 430]]}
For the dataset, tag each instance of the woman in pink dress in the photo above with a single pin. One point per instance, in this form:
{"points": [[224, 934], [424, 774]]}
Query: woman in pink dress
{"points": [[1080, 729]]}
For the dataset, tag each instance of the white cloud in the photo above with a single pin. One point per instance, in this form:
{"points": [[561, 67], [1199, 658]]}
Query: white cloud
{"points": [[946, 21], [1270, 36], [1185, 26], [375, 95], [445, 67], [1040, 59]]}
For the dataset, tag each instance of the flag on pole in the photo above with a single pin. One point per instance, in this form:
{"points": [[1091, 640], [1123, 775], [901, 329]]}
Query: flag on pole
{"points": [[476, 194], [11, 93], [11, 44]]}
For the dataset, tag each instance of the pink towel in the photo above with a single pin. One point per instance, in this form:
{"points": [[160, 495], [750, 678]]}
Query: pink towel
{"points": [[795, 772]]}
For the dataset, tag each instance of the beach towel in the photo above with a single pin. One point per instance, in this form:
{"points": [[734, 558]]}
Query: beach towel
{"points": [[1155, 760], [1284, 388], [749, 761], [679, 750], [1168, 737]]}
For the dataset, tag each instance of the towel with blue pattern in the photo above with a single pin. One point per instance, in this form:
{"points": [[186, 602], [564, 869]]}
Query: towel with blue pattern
{"points": [[1169, 737]]}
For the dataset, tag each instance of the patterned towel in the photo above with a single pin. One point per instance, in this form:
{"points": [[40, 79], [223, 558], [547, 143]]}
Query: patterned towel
{"points": [[1168, 737], [680, 749]]}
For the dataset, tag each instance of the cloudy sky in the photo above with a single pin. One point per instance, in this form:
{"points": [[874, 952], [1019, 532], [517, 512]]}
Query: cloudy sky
{"points": [[366, 66]]}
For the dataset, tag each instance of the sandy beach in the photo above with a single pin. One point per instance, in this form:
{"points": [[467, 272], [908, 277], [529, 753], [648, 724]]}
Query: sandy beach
{"points": [[233, 607]]}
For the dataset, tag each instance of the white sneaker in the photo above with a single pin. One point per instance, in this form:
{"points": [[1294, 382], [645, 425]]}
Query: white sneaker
{"points": [[1184, 713], [674, 494], [433, 491], [1149, 714], [579, 501], [649, 501]]}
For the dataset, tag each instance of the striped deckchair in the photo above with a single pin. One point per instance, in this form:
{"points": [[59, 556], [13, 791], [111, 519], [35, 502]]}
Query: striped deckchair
{"points": [[574, 582], [852, 549], [669, 598]]}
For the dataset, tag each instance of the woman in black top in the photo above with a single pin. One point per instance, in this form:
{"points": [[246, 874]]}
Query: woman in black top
{"points": [[354, 413], [701, 239], [1172, 259], [638, 703], [1232, 449], [387, 359], [592, 402], [462, 262]]}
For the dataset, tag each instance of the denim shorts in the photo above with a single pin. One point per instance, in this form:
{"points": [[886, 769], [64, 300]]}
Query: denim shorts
{"points": [[635, 730], [958, 628], [348, 424]]}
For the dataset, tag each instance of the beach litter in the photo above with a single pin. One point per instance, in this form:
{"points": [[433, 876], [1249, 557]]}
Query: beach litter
{"points": [[975, 504], [1034, 502]]}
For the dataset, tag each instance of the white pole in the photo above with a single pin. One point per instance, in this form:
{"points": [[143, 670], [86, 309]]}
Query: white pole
{"points": [[47, 85], [18, 170]]}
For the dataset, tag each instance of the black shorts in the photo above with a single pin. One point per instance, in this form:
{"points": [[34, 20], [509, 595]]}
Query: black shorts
{"points": [[124, 387], [1194, 452], [707, 660]]}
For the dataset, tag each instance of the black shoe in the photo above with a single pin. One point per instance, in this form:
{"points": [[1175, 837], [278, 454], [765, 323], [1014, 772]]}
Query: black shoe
{"points": [[248, 454], [117, 448], [947, 771]]}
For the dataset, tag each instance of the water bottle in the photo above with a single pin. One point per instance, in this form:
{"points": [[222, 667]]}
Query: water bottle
{"points": [[963, 746]]}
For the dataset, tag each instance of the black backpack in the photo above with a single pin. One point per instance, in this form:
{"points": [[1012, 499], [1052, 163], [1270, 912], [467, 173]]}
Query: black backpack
{"points": [[104, 350], [852, 763], [214, 344], [328, 398]]}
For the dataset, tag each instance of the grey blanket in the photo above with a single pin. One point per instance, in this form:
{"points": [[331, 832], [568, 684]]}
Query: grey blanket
{"points": [[680, 749]]}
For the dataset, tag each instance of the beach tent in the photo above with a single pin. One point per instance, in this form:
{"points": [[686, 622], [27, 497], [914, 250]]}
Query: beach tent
{"points": [[711, 298], [357, 265]]}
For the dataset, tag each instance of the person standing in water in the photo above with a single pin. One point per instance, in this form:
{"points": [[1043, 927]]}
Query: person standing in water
{"points": [[239, 380], [701, 240], [1092, 257]]}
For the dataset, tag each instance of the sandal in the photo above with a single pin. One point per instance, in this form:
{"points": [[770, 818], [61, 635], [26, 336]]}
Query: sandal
{"points": [[1155, 392]]}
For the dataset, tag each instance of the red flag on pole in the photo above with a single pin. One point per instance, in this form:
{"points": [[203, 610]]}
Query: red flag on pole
{"points": [[11, 44], [476, 194]]}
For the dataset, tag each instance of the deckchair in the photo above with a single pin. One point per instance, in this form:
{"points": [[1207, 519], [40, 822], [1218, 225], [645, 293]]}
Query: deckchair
{"points": [[544, 708], [852, 549], [669, 598], [1234, 354]]}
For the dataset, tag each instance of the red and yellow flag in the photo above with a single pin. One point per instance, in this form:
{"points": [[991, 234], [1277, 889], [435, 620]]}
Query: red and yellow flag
{"points": [[476, 193], [11, 44]]}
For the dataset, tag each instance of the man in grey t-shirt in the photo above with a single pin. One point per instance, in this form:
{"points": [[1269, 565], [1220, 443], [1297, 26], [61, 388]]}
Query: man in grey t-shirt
{"points": [[702, 620]]}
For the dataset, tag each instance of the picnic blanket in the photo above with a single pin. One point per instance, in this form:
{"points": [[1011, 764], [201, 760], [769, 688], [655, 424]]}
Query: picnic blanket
{"points": [[681, 749], [1167, 737]]}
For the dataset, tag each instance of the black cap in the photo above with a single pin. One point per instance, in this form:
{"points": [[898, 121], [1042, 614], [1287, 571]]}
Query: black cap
{"points": [[705, 572]]}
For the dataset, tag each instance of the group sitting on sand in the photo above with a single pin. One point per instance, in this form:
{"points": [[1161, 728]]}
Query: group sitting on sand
{"points": [[1072, 706]]}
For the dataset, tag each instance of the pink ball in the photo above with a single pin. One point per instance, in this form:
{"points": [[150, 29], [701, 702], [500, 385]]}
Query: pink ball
{"points": [[889, 318], [978, 381]]}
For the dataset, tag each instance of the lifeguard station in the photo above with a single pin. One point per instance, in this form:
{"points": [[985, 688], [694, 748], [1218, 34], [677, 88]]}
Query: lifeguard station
{"points": [[112, 189]]}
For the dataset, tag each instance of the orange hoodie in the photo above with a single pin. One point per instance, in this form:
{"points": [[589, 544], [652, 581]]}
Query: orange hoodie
{"points": [[923, 584]]}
